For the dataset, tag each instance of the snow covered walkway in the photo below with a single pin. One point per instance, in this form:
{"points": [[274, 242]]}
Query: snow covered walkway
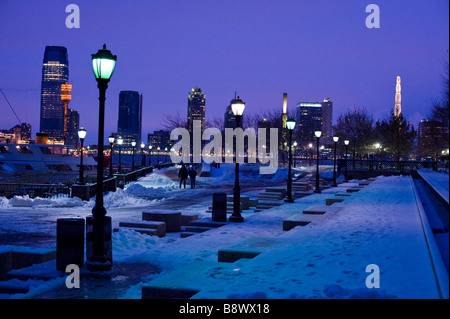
{"points": [[379, 225]]}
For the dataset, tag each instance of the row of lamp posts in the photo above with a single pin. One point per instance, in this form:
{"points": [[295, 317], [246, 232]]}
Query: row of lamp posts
{"points": [[103, 63]]}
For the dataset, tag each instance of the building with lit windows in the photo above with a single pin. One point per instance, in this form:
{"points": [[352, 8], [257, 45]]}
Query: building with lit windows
{"points": [[313, 116], [196, 108], [55, 73], [129, 125]]}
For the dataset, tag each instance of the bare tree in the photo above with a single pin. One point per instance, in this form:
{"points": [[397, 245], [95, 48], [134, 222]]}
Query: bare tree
{"points": [[356, 125]]}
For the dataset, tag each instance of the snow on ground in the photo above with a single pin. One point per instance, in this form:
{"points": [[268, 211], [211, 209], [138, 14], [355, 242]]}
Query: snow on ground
{"points": [[378, 225], [328, 259]]}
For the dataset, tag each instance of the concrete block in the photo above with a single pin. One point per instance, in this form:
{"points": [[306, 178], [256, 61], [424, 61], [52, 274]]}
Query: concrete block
{"points": [[332, 200], [160, 227], [187, 218], [172, 218], [26, 256]]}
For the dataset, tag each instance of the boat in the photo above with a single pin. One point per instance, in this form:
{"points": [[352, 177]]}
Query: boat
{"points": [[43, 163]]}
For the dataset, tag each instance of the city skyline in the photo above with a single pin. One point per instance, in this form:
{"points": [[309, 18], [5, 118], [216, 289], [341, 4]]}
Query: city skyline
{"points": [[259, 49]]}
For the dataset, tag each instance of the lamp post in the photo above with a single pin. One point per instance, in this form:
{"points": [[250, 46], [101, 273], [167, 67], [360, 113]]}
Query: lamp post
{"points": [[103, 64], [149, 155], [111, 144], [290, 125], [165, 154], [335, 140], [310, 153], [295, 153], [81, 135], [346, 142], [133, 146], [238, 107], [143, 160], [120, 142], [317, 134], [157, 155]]}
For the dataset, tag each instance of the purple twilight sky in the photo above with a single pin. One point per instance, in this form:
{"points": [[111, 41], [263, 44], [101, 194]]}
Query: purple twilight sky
{"points": [[309, 49]]}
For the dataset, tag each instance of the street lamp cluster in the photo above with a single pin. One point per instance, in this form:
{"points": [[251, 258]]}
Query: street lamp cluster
{"points": [[103, 64]]}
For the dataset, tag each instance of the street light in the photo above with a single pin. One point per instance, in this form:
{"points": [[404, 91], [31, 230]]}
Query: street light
{"points": [[133, 145], [335, 140], [317, 134], [143, 160], [290, 125], [149, 155], [157, 155], [120, 142], [111, 144], [237, 107], [346, 142], [103, 64], [295, 153], [81, 135]]}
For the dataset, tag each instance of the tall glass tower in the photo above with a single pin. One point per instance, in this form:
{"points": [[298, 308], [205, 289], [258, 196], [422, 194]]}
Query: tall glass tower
{"points": [[129, 125], [196, 108], [55, 73]]}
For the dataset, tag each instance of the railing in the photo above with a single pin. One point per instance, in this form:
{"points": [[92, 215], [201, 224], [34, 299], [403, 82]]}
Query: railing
{"points": [[34, 190], [376, 165]]}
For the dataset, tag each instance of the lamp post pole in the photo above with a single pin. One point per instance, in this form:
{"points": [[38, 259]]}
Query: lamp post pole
{"points": [[237, 106], [133, 146], [290, 125], [111, 144], [335, 140], [317, 134], [81, 135], [119, 166], [143, 160], [103, 63], [149, 155], [346, 158]]}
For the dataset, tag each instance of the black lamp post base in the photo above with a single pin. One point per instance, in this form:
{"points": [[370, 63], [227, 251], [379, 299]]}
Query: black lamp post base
{"points": [[334, 185], [317, 191], [98, 264], [236, 219], [288, 200]]}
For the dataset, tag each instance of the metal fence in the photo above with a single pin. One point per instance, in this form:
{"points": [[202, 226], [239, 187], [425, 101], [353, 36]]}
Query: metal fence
{"points": [[34, 190], [375, 165]]}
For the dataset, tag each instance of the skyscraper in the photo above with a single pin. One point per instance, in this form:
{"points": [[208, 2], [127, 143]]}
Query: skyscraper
{"points": [[327, 121], [196, 108], [72, 127], [129, 125], [315, 116], [55, 73]]}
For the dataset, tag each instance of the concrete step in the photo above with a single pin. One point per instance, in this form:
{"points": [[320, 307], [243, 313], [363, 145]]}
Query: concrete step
{"points": [[207, 222], [186, 234], [196, 229]]}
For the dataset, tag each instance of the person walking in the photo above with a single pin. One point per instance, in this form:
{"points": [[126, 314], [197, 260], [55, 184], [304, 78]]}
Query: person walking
{"points": [[192, 175], [183, 175]]}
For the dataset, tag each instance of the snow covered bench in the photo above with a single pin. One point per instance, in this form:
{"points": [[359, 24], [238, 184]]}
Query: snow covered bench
{"points": [[16, 257], [185, 282], [248, 248], [330, 201], [172, 218], [320, 210], [154, 228]]}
